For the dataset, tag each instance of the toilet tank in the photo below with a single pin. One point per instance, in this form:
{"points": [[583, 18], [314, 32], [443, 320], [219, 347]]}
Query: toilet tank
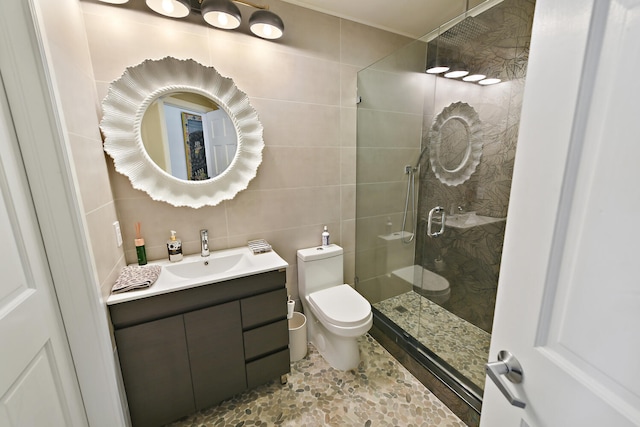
{"points": [[319, 268]]}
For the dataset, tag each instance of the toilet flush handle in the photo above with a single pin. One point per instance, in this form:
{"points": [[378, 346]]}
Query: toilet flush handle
{"points": [[436, 210]]}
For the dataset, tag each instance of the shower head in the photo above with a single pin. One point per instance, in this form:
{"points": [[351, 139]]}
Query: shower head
{"points": [[463, 33]]}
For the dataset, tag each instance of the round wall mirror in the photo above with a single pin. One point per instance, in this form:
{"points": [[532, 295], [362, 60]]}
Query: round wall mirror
{"points": [[455, 142], [189, 136], [181, 132]]}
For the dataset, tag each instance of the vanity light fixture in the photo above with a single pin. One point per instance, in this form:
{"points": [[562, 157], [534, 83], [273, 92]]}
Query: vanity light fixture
{"points": [[170, 8], [436, 66], [266, 24], [226, 15], [221, 14], [456, 71], [474, 77], [487, 82]]}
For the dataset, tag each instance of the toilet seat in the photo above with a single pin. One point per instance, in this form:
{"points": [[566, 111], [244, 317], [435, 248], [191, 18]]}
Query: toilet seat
{"points": [[340, 306]]}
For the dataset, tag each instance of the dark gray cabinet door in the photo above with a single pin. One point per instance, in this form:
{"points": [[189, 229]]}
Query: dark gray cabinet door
{"points": [[214, 337], [155, 369]]}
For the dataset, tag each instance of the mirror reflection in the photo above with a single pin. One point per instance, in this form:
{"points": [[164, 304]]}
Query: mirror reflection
{"points": [[189, 136], [454, 142]]}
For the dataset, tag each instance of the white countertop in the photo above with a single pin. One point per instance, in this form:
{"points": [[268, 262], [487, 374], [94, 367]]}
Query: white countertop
{"points": [[248, 265]]}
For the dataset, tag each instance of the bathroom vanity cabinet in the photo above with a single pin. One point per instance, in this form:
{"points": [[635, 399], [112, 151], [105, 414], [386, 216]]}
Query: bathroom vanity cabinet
{"points": [[187, 350]]}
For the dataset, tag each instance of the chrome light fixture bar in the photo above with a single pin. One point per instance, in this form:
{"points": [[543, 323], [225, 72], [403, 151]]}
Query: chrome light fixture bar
{"points": [[222, 14]]}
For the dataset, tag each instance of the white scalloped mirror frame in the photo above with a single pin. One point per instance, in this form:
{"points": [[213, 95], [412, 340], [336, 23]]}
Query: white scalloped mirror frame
{"points": [[125, 104], [467, 115]]}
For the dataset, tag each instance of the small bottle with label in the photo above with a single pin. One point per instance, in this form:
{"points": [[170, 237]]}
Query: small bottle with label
{"points": [[139, 242], [325, 237], [174, 247]]}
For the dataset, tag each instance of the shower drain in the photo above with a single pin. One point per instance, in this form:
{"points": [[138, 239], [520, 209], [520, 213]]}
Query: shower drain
{"points": [[400, 309]]}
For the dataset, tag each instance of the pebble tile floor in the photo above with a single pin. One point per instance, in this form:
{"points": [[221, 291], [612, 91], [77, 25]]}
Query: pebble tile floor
{"points": [[380, 392], [463, 345]]}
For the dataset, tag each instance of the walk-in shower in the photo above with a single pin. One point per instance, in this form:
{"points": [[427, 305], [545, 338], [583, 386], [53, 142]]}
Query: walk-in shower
{"points": [[434, 164]]}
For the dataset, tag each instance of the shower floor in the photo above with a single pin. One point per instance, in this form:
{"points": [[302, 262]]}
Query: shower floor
{"points": [[459, 343]]}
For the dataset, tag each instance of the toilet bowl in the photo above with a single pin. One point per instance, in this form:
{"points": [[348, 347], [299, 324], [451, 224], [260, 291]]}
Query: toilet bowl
{"points": [[426, 282], [337, 314]]}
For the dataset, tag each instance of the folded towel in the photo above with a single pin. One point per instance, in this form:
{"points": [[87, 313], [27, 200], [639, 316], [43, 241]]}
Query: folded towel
{"points": [[136, 277], [259, 246]]}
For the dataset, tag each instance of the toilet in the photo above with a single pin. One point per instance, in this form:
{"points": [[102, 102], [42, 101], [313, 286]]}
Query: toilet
{"points": [[337, 315], [426, 282]]}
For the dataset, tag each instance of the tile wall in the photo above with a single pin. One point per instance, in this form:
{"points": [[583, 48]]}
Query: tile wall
{"points": [[304, 90]]}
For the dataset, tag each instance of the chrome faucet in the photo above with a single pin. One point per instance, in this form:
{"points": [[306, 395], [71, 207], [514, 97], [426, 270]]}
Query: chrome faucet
{"points": [[204, 242]]}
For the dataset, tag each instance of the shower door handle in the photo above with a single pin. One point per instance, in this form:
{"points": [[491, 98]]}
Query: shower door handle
{"points": [[508, 366], [436, 210]]}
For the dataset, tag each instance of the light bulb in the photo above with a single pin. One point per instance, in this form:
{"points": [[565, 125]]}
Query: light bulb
{"points": [[474, 77], [167, 6], [456, 74], [437, 70], [223, 19], [487, 82]]}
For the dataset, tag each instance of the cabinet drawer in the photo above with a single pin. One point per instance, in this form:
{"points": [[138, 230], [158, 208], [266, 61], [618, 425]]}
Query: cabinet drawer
{"points": [[268, 368], [266, 339], [264, 308]]}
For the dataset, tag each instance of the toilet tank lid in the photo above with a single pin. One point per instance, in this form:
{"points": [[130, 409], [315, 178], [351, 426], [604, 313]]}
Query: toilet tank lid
{"points": [[319, 252]]}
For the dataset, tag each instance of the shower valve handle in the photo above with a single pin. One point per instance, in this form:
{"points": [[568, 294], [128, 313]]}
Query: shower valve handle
{"points": [[436, 210]]}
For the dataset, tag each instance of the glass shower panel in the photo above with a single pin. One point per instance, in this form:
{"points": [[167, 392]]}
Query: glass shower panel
{"points": [[389, 137], [451, 144], [457, 323]]}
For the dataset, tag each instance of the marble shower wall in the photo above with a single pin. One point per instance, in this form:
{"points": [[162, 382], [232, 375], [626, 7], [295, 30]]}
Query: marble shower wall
{"points": [[472, 255]]}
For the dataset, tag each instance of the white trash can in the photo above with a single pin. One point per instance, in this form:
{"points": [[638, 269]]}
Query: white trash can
{"points": [[297, 336]]}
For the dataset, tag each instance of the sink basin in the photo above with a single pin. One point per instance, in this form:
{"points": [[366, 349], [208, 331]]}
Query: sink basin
{"points": [[206, 266], [195, 270], [469, 219]]}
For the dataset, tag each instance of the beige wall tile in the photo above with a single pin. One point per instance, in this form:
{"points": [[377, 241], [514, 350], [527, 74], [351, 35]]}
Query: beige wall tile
{"points": [[381, 128], [103, 240], [273, 74], [119, 43], [348, 197], [260, 211], [348, 86], [93, 180], [385, 164], [380, 198], [347, 166], [292, 167], [298, 124], [348, 126], [296, 84], [361, 45]]}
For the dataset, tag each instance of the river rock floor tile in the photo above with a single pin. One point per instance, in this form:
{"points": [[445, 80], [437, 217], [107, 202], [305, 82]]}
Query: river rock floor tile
{"points": [[463, 345], [380, 392]]}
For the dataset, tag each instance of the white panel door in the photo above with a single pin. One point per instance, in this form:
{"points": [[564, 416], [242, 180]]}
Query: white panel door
{"points": [[568, 304], [38, 386]]}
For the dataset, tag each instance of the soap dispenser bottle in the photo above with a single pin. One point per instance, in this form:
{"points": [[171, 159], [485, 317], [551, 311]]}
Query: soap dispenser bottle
{"points": [[139, 242], [174, 247], [325, 237]]}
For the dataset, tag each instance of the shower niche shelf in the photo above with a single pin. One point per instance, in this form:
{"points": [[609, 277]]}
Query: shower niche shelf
{"points": [[468, 220]]}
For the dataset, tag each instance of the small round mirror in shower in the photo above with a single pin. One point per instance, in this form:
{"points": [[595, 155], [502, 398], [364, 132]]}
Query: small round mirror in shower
{"points": [[455, 142]]}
